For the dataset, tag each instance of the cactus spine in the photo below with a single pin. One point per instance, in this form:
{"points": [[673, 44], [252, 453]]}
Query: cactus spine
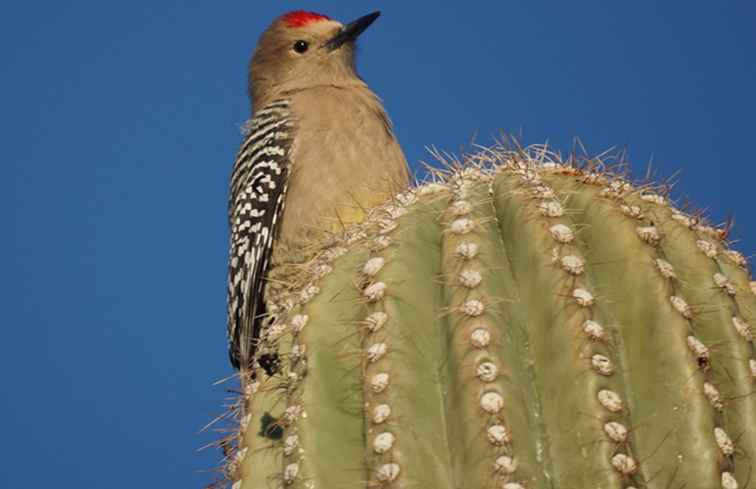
{"points": [[522, 323]]}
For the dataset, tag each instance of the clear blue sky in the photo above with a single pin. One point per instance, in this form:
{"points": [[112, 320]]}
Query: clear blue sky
{"points": [[119, 122]]}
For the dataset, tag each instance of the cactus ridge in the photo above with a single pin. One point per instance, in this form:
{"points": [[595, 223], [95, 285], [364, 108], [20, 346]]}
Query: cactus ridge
{"points": [[520, 322]]}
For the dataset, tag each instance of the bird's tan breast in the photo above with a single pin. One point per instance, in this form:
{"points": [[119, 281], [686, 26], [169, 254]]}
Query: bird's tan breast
{"points": [[344, 158]]}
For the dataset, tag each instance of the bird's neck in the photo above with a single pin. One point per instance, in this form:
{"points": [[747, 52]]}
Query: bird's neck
{"points": [[292, 89]]}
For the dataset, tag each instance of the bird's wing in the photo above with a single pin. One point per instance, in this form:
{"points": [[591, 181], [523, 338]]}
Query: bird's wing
{"points": [[256, 200]]}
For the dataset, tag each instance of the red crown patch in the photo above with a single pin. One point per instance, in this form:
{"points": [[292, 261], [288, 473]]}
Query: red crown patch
{"points": [[299, 18]]}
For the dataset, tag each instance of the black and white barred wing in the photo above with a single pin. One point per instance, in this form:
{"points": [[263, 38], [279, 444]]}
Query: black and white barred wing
{"points": [[256, 200]]}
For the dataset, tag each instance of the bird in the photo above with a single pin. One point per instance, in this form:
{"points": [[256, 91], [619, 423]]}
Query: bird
{"points": [[318, 149]]}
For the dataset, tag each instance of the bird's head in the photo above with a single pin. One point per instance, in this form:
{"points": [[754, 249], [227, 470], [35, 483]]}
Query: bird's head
{"points": [[301, 50]]}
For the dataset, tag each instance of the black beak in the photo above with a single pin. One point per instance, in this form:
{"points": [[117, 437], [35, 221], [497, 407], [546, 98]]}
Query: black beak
{"points": [[351, 31]]}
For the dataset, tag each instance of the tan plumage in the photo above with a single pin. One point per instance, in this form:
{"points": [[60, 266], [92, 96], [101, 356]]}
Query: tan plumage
{"points": [[335, 156], [344, 158]]}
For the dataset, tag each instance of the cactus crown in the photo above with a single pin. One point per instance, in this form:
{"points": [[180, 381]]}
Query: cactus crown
{"points": [[520, 321]]}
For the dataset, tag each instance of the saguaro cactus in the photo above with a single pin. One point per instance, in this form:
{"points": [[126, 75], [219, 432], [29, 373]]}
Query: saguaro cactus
{"points": [[521, 323]]}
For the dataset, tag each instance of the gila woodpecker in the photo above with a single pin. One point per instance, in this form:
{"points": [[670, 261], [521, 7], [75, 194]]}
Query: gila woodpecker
{"points": [[318, 149]]}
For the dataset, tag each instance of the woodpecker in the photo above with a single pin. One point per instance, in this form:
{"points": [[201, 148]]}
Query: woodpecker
{"points": [[318, 148]]}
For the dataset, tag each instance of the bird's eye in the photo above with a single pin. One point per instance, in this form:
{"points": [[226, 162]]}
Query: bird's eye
{"points": [[301, 46]]}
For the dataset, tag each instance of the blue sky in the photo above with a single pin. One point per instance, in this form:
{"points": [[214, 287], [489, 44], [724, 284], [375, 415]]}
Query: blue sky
{"points": [[119, 124]]}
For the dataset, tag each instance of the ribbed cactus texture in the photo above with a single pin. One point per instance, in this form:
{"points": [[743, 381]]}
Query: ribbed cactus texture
{"points": [[520, 323]]}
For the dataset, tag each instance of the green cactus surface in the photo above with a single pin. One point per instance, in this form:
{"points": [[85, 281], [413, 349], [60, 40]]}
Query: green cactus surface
{"points": [[521, 322]]}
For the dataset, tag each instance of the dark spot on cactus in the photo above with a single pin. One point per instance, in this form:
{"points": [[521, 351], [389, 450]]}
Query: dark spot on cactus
{"points": [[270, 363], [270, 428], [703, 363]]}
